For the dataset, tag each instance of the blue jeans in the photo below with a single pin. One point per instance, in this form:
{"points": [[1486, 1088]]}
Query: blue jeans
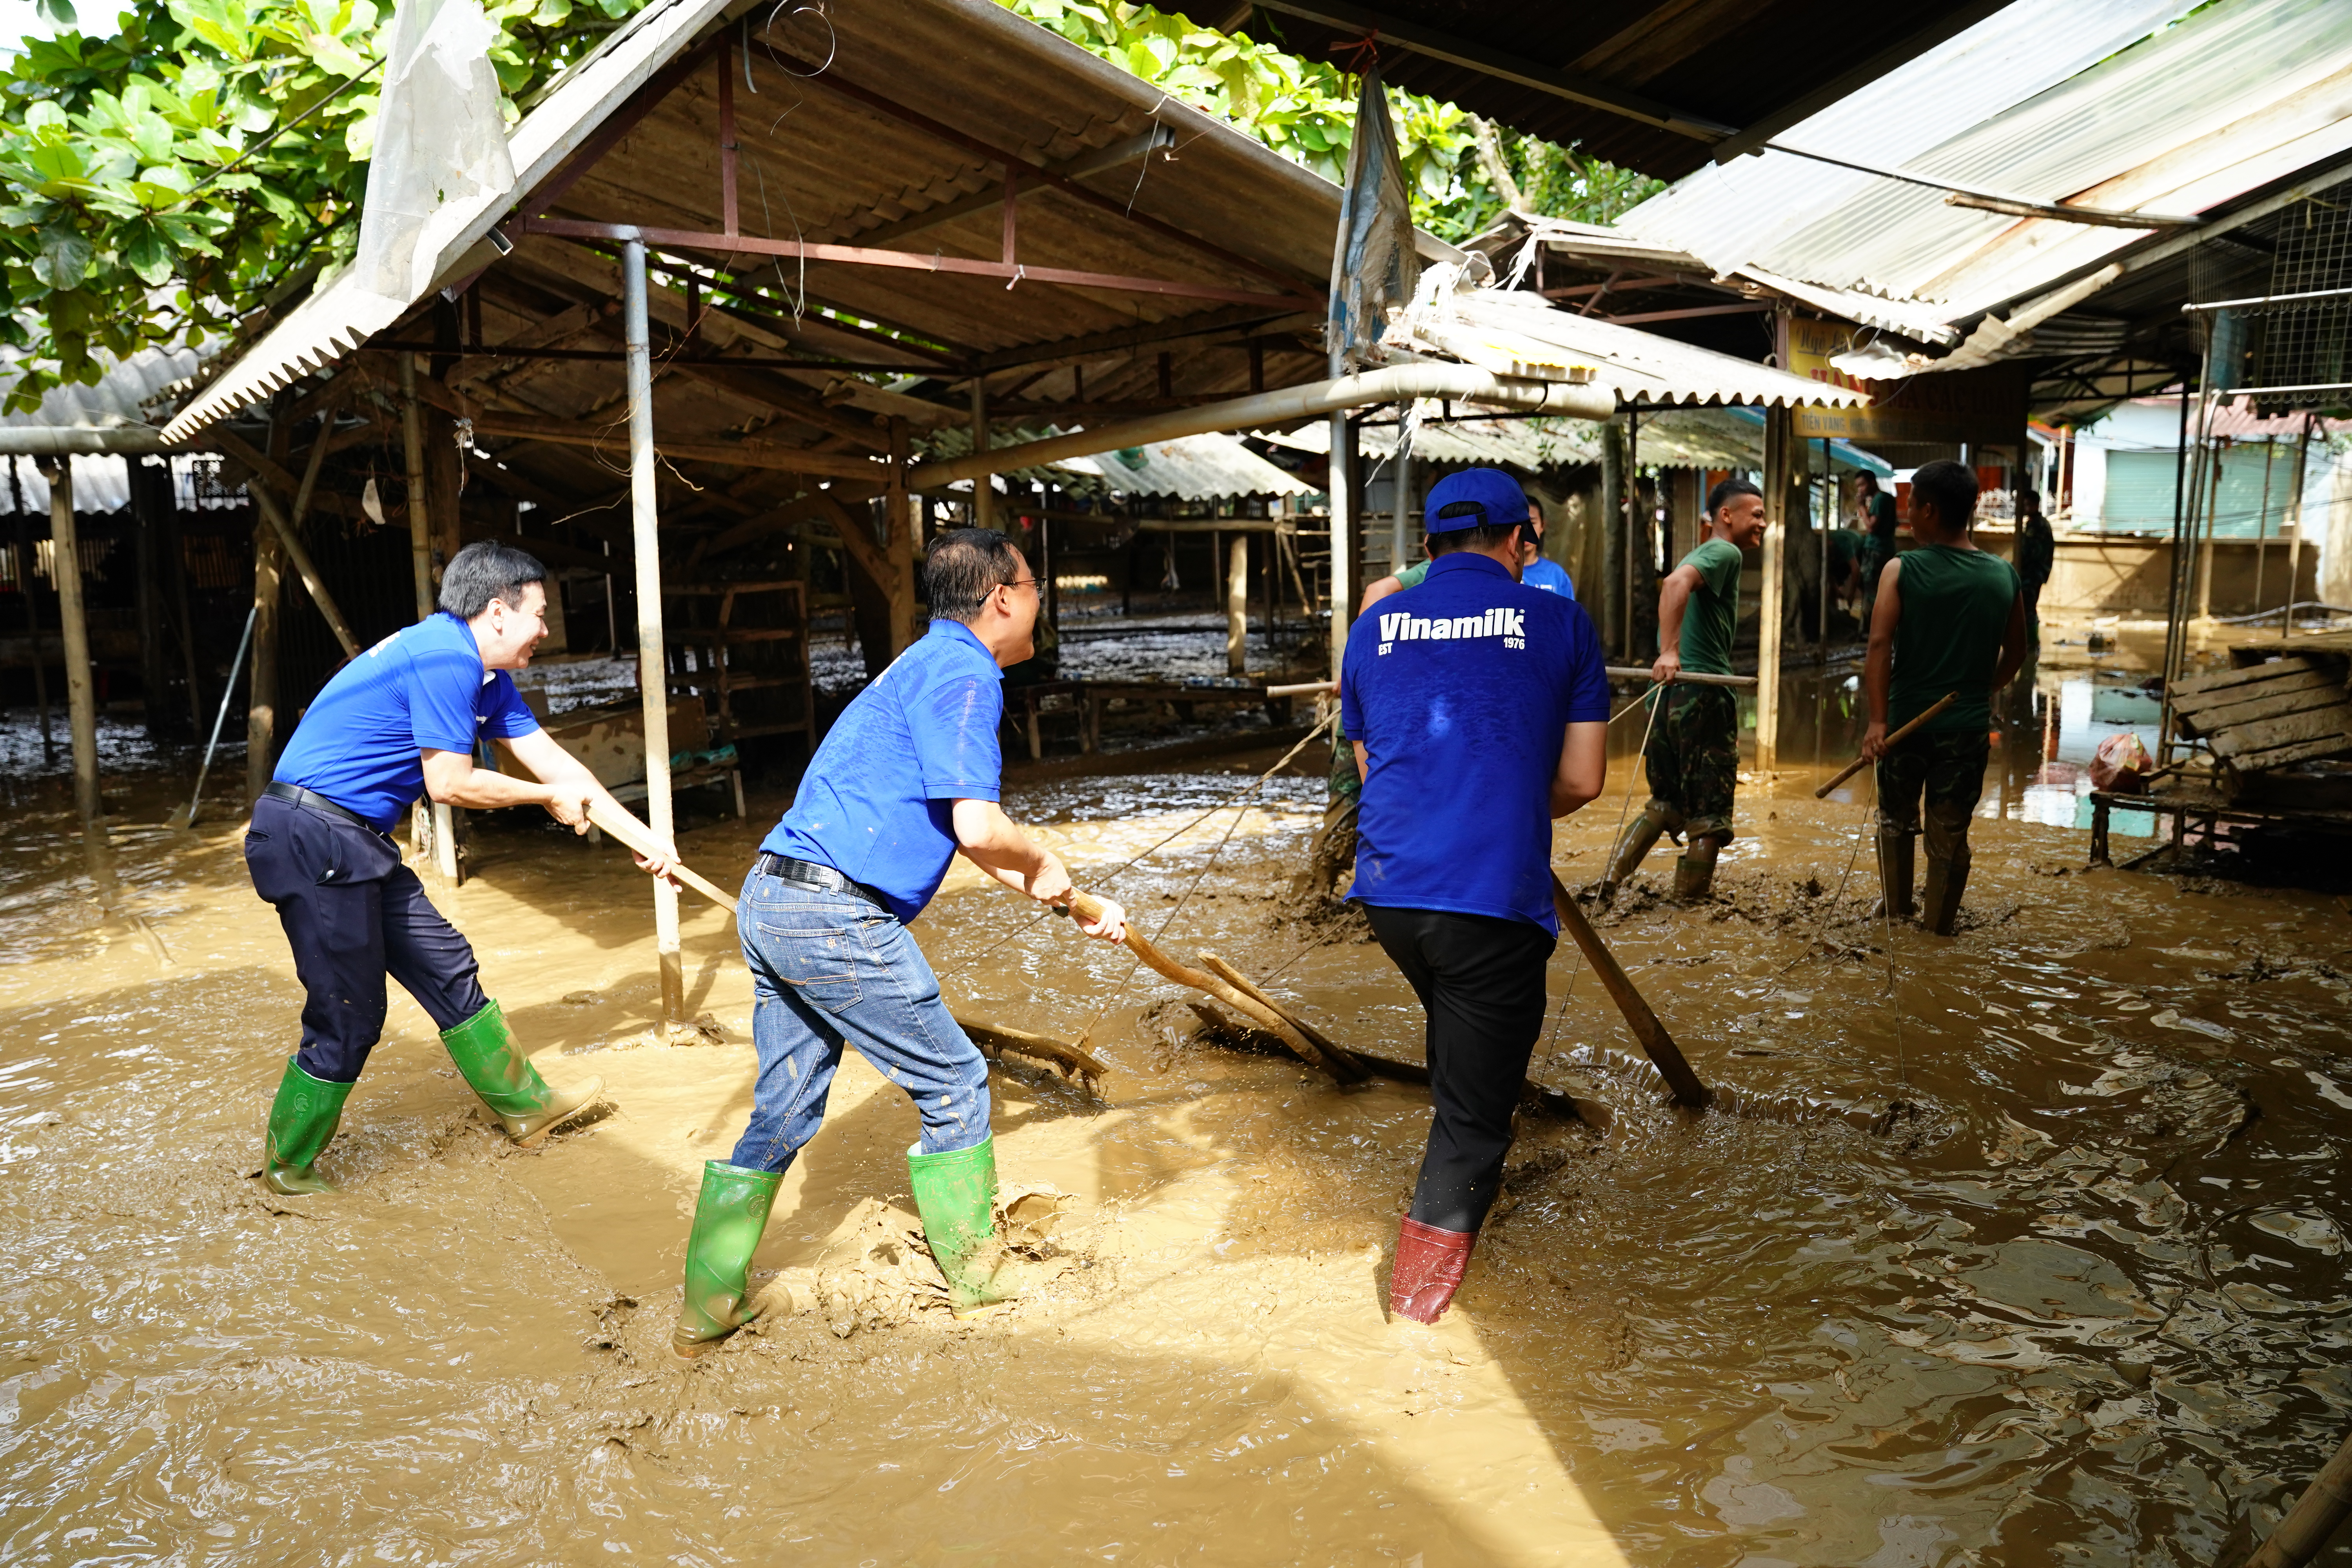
{"points": [[829, 969]]}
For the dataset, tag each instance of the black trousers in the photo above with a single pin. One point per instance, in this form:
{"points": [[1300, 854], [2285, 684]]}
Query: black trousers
{"points": [[1481, 981], [352, 914]]}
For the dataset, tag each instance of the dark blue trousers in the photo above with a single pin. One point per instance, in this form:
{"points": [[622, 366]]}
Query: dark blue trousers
{"points": [[352, 914]]}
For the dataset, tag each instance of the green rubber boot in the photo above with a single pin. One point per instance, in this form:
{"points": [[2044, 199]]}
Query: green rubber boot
{"points": [[302, 1119], [956, 1194], [728, 1220], [525, 1105], [1641, 834], [1694, 870]]}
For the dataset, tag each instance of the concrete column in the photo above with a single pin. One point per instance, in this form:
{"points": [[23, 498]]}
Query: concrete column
{"points": [[1342, 488], [653, 674]]}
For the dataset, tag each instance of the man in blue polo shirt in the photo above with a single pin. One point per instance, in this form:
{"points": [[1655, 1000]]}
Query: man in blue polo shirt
{"points": [[399, 721], [908, 778], [1478, 709]]}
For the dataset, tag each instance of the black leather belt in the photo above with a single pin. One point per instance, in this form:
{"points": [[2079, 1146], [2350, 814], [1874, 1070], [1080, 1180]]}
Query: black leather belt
{"points": [[294, 795], [810, 874]]}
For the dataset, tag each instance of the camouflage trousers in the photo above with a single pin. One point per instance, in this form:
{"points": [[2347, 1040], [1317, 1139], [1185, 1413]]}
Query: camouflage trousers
{"points": [[1944, 768], [1693, 757]]}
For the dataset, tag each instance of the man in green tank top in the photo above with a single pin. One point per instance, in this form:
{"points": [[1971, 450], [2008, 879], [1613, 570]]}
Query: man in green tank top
{"points": [[1693, 755], [1950, 618]]}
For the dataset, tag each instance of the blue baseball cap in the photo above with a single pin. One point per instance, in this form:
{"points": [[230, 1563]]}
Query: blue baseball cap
{"points": [[1474, 498]]}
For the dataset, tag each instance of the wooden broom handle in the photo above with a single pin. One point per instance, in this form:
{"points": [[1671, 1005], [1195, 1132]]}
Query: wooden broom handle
{"points": [[615, 819], [1855, 766]]}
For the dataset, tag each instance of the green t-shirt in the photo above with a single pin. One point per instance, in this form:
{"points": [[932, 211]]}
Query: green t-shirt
{"points": [[1414, 575], [1845, 546], [1955, 610], [1713, 611]]}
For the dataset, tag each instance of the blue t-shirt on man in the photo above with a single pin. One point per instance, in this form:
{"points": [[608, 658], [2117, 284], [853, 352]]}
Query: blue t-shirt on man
{"points": [[877, 802], [422, 687], [1550, 575], [1462, 690]]}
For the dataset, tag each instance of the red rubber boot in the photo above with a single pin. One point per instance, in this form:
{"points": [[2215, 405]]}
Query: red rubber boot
{"points": [[1430, 1264]]}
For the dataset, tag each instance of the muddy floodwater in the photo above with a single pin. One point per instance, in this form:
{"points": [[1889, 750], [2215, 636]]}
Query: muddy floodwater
{"points": [[2023, 1247]]}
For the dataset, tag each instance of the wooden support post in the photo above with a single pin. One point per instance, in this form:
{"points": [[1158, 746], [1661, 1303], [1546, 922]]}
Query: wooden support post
{"points": [[1341, 485], [727, 144], [983, 490], [1616, 613], [289, 528], [2295, 546], [420, 534], [82, 695], [1825, 524], [1778, 425], [261, 689], [1237, 605], [177, 556], [905, 522], [652, 676]]}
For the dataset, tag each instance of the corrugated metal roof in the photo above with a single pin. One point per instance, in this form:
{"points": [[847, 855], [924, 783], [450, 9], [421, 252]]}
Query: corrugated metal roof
{"points": [[1736, 62], [1508, 330], [2153, 106], [121, 396], [1193, 467], [339, 314], [1678, 437]]}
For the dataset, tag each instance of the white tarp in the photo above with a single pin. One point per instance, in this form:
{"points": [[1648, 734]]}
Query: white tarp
{"points": [[440, 144]]}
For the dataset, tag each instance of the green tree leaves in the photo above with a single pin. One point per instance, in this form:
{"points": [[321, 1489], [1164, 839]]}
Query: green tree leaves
{"points": [[1305, 111], [159, 183]]}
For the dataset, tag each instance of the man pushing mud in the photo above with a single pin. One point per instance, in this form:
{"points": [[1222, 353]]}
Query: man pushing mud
{"points": [[399, 721], [908, 778], [1478, 708], [1693, 755]]}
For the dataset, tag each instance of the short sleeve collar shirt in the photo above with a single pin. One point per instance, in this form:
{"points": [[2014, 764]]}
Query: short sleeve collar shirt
{"points": [[1462, 690], [1550, 575], [361, 741], [877, 801]]}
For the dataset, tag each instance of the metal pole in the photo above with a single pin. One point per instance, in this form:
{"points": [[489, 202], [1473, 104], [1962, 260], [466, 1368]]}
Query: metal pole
{"points": [[1631, 503], [228, 690], [81, 695], [2295, 546], [1341, 485], [1401, 512], [1778, 423], [1236, 602], [653, 675], [1827, 520]]}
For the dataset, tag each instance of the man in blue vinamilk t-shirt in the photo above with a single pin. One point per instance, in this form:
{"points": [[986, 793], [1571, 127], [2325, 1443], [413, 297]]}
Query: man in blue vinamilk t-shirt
{"points": [[908, 778], [1478, 708], [399, 721]]}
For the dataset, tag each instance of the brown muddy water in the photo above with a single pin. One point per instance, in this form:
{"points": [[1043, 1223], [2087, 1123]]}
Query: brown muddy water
{"points": [[2079, 1299]]}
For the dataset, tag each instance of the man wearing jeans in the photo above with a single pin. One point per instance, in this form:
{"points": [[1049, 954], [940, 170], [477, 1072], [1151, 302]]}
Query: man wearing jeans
{"points": [[1478, 708], [906, 779]]}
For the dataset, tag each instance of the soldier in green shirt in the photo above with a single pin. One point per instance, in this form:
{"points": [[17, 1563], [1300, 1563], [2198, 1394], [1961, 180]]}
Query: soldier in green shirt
{"points": [[1692, 756], [1949, 617]]}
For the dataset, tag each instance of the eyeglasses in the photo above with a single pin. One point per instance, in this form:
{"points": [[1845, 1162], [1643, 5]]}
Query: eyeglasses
{"points": [[1020, 583]]}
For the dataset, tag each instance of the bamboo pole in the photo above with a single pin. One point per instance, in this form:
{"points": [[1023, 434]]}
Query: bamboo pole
{"points": [[2295, 546], [25, 574], [984, 492], [1236, 603], [1341, 485], [653, 665], [2305, 1532], [289, 528], [420, 535], [81, 695], [1640, 1020]]}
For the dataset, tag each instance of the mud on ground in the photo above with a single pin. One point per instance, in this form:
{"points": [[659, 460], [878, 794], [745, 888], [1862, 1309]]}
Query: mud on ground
{"points": [[2044, 1264]]}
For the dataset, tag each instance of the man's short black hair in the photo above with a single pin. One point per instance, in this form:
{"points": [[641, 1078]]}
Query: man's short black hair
{"points": [[1487, 537], [1950, 487], [964, 567], [1866, 477], [1719, 497], [486, 570]]}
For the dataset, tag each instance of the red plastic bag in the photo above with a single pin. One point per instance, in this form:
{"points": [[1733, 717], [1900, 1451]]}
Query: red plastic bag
{"points": [[2122, 764]]}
